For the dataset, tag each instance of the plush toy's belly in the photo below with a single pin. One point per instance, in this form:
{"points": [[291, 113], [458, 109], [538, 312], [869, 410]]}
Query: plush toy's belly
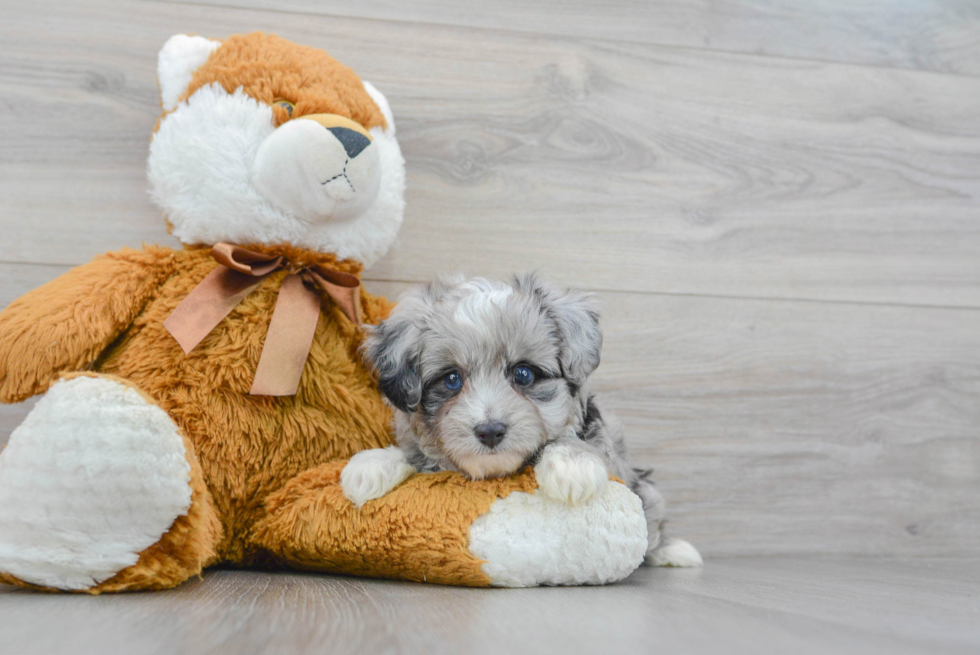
{"points": [[249, 446]]}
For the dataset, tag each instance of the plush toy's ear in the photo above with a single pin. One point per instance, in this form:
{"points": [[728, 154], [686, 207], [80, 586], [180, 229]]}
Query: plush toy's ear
{"points": [[180, 57], [382, 102]]}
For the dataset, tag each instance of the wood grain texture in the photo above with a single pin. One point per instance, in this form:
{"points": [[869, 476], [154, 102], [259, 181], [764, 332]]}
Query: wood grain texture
{"points": [[938, 35], [616, 166], [769, 605]]}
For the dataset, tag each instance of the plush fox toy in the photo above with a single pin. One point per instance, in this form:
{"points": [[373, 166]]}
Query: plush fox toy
{"points": [[199, 404]]}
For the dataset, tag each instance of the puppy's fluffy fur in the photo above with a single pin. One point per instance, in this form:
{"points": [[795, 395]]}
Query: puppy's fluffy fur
{"points": [[487, 377]]}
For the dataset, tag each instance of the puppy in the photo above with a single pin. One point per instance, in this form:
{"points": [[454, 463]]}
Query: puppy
{"points": [[487, 377]]}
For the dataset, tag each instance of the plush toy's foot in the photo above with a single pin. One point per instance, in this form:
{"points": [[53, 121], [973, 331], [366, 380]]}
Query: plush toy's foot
{"points": [[100, 492], [443, 528], [528, 540]]}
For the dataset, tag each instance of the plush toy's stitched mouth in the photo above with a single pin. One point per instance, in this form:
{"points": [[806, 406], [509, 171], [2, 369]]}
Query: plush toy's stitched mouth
{"points": [[342, 174], [354, 144]]}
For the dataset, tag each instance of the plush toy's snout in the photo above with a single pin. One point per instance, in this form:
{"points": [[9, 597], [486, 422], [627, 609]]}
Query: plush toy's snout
{"points": [[319, 167]]}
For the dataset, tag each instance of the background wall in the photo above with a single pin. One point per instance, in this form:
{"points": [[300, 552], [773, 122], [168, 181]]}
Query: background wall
{"points": [[779, 203]]}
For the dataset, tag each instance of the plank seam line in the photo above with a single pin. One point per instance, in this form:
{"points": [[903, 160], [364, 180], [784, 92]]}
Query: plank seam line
{"points": [[682, 294], [666, 294]]}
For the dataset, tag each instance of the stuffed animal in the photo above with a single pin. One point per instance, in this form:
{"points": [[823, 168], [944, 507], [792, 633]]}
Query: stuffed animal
{"points": [[199, 404]]}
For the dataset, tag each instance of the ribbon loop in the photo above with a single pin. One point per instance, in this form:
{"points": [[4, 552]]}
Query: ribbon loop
{"points": [[244, 260], [287, 343]]}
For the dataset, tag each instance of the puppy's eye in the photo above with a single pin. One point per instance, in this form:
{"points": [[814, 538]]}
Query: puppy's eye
{"points": [[453, 380], [523, 376]]}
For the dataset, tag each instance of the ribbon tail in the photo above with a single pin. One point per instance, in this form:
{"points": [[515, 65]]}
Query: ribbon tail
{"points": [[207, 304], [288, 342]]}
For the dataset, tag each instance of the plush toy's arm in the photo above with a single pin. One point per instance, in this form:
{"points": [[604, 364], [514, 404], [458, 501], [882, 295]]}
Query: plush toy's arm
{"points": [[65, 324], [442, 528]]}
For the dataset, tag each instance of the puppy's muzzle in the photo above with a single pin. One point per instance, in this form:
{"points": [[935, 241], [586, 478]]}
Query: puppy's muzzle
{"points": [[490, 433]]}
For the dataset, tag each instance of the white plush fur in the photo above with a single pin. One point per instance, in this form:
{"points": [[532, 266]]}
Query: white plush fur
{"points": [[92, 477], [677, 553], [180, 57], [529, 539], [570, 475], [199, 170], [373, 473], [382, 102]]}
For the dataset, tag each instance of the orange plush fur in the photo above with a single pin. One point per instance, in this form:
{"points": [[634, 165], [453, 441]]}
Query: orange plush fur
{"points": [[264, 470], [270, 68]]}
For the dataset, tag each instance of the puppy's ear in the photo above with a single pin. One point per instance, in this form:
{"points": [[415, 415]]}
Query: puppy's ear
{"points": [[394, 347], [575, 315]]}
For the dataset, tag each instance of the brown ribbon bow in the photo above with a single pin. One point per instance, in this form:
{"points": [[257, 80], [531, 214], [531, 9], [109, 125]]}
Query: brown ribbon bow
{"points": [[290, 336]]}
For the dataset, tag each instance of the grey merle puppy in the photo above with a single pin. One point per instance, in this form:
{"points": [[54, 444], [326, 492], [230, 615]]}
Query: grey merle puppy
{"points": [[487, 377]]}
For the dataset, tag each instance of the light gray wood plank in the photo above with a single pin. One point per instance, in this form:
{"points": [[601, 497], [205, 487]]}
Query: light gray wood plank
{"points": [[940, 35], [769, 605], [614, 166]]}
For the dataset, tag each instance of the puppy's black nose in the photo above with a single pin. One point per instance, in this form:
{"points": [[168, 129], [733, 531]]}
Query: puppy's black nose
{"points": [[490, 433]]}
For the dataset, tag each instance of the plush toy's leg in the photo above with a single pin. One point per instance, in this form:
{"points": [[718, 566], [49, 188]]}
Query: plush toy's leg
{"points": [[442, 528], [100, 491]]}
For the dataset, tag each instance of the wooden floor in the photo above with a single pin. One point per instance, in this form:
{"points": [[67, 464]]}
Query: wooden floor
{"points": [[779, 204], [754, 605]]}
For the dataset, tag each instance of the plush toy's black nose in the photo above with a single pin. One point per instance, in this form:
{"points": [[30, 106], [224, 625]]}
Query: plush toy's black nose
{"points": [[490, 433], [353, 142]]}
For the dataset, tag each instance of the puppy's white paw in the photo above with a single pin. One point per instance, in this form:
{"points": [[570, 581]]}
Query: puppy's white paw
{"points": [[570, 475], [675, 552], [373, 473]]}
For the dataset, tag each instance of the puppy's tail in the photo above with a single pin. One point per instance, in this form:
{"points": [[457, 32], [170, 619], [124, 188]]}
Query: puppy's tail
{"points": [[663, 551], [674, 552]]}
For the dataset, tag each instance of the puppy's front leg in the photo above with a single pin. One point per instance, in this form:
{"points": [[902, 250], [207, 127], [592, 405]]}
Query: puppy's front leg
{"points": [[570, 471], [373, 473]]}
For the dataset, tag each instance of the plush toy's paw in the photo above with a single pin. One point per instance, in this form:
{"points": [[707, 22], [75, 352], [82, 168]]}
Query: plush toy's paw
{"points": [[94, 475], [373, 473], [675, 552], [570, 475], [527, 539], [445, 529]]}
